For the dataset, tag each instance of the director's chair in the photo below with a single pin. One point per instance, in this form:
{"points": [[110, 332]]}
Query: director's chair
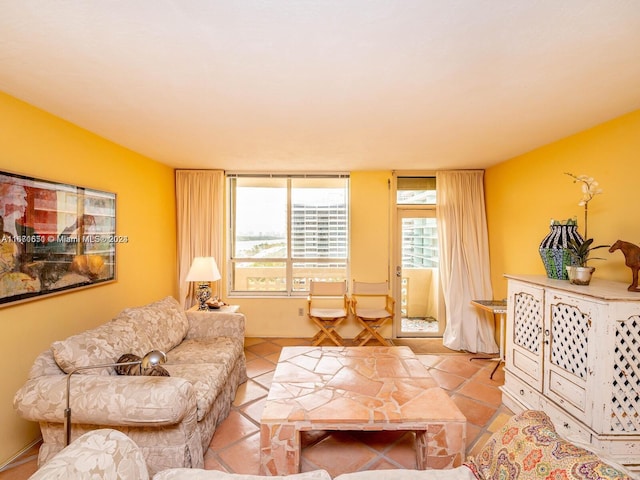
{"points": [[372, 306], [327, 308]]}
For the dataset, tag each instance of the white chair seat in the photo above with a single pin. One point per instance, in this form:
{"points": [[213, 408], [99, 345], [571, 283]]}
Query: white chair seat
{"points": [[372, 313], [328, 312]]}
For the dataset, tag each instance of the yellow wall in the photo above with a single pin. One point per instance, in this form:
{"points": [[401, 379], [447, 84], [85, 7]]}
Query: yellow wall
{"points": [[37, 144], [370, 226], [525, 193]]}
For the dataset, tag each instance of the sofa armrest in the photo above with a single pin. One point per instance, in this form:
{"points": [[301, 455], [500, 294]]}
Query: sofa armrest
{"points": [[108, 400], [212, 324], [106, 454]]}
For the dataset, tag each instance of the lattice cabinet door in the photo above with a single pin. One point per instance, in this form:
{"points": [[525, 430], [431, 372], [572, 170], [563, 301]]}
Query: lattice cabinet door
{"points": [[524, 348], [621, 395], [570, 343]]}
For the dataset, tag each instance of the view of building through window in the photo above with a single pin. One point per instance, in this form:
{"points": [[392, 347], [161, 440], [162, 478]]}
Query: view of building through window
{"points": [[288, 230]]}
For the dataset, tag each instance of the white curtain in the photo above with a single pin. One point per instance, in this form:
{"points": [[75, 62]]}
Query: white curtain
{"points": [[200, 217], [464, 260]]}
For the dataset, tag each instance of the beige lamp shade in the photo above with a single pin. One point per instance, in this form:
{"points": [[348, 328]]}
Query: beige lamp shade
{"points": [[203, 269]]}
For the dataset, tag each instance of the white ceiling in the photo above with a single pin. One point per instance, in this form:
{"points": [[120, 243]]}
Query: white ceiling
{"points": [[325, 84]]}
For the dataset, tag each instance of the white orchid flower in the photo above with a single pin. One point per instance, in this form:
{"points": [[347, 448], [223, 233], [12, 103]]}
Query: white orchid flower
{"points": [[589, 188]]}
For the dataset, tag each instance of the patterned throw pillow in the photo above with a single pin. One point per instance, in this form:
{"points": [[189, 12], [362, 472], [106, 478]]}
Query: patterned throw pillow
{"points": [[136, 369], [527, 447]]}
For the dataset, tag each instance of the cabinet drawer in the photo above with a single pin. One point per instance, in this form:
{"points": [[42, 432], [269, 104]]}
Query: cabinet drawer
{"points": [[567, 427], [522, 392], [566, 391], [528, 367]]}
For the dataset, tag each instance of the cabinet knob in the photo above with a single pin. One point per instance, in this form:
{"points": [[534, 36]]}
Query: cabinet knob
{"points": [[521, 392], [565, 425]]}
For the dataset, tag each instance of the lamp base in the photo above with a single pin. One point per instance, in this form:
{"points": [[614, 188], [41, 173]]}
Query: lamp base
{"points": [[203, 294]]}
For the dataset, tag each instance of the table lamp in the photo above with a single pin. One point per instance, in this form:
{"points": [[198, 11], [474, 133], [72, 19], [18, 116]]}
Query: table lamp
{"points": [[151, 359], [203, 270]]}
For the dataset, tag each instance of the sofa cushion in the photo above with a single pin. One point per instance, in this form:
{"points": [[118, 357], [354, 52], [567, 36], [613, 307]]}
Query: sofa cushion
{"points": [[527, 447], [98, 346], [458, 473], [198, 474], [206, 363], [207, 380], [218, 350], [160, 325]]}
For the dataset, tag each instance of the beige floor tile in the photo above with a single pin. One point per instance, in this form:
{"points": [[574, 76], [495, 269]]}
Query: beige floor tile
{"points": [[265, 348], [458, 366], [446, 380], [259, 366], [477, 413], [254, 410], [403, 451], [338, 453], [481, 392], [249, 392], [235, 427], [244, 456], [273, 357], [265, 379]]}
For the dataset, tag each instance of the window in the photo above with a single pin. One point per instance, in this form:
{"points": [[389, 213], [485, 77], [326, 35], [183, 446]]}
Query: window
{"points": [[416, 191], [287, 230], [419, 233]]}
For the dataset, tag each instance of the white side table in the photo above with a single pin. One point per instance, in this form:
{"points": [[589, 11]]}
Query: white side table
{"points": [[499, 310], [223, 309]]}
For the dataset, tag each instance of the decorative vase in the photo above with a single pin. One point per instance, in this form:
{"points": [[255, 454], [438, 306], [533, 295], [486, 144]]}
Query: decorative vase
{"points": [[553, 248], [580, 275]]}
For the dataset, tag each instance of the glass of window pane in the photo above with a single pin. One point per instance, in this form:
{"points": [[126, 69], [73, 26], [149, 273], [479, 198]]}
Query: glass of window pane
{"points": [[260, 218], [416, 191], [319, 218]]}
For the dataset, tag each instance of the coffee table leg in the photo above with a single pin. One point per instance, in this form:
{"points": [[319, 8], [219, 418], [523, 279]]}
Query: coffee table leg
{"points": [[422, 449], [279, 449], [441, 446]]}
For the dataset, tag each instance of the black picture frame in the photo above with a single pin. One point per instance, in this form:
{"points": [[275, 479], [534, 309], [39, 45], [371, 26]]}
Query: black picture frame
{"points": [[54, 237]]}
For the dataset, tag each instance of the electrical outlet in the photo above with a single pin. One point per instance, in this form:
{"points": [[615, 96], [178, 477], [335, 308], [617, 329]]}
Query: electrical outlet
{"points": [[300, 311]]}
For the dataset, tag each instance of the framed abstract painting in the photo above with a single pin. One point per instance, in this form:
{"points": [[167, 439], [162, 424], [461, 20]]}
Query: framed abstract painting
{"points": [[54, 237]]}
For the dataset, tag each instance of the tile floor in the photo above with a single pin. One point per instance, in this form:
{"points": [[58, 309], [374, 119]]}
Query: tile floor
{"points": [[234, 447]]}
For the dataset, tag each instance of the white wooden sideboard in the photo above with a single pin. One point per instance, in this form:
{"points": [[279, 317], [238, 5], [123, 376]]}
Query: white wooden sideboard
{"points": [[574, 352]]}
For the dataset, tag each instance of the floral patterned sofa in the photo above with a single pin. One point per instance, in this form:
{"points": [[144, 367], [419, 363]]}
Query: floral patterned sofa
{"points": [[172, 418], [525, 448]]}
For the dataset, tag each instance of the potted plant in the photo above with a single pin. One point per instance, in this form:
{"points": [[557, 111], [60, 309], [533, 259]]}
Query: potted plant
{"points": [[580, 274], [580, 251]]}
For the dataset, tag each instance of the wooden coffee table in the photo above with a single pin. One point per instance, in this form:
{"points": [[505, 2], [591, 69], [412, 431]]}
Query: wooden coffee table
{"points": [[357, 388]]}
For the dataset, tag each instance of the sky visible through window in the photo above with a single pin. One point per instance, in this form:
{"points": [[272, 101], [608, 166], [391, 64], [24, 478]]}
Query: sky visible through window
{"points": [[263, 211]]}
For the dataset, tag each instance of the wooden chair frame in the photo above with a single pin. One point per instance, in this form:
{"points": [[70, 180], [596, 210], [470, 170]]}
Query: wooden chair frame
{"points": [[372, 319], [328, 317]]}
